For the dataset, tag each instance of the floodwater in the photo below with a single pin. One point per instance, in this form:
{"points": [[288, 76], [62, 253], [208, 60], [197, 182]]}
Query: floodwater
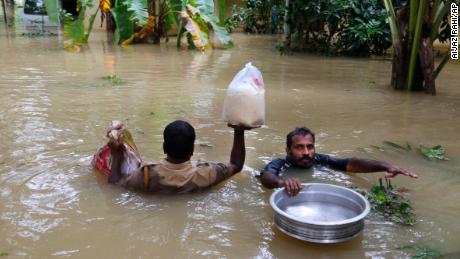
{"points": [[55, 109]]}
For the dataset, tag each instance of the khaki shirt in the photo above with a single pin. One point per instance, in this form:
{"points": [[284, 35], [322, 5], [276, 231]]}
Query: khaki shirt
{"points": [[177, 178]]}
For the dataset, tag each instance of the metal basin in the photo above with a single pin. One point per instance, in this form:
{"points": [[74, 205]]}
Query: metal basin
{"points": [[320, 213]]}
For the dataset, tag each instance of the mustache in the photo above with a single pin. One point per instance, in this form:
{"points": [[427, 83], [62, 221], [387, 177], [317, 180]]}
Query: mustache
{"points": [[305, 158]]}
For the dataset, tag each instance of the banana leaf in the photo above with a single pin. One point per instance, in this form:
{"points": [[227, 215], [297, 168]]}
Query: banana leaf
{"points": [[176, 7], [392, 144], [205, 9], [138, 10], [222, 5], [52, 11], [74, 31], [197, 38], [143, 33], [124, 26]]}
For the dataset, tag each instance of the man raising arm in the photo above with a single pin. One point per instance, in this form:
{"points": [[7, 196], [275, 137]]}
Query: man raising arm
{"points": [[176, 173]]}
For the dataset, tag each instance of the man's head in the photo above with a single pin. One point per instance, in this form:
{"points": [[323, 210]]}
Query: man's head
{"points": [[179, 140], [300, 147]]}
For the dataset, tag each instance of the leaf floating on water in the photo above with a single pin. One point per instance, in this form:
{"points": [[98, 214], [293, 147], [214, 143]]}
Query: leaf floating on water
{"points": [[114, 79], [392, 144], [436, 152], [422, 251], [205, 145], [378, 148]]}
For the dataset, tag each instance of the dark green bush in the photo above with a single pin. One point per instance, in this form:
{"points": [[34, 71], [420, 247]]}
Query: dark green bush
{"points": [[340, 27]]}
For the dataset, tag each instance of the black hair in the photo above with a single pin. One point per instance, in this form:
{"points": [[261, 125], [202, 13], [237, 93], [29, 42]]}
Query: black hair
{"points": [[302, 131], [179, 139]]}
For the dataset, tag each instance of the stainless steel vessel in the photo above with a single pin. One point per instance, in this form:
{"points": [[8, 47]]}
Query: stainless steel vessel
{"points": [[320, 213]]}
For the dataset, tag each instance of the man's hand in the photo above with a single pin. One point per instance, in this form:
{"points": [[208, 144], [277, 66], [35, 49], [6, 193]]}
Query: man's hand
{"points": [[292, 186], [115, 134], [393, 170], [241, 127]]}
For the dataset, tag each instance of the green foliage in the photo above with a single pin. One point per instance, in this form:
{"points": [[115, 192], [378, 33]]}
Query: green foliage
{"points": [[52, 10], [236, 19], [421, 251], [256, 16], [138, 11], [195, 23], [124, 24], [206, 12], [436, 152], [340, 27], [394, 145], [222, 5], [3, 253], [391, 203], [114, 79], [74, 30]]}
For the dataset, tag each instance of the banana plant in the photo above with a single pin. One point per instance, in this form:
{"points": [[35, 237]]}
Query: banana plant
{"points": [[75, 34], [414, 29], [196, 17]]}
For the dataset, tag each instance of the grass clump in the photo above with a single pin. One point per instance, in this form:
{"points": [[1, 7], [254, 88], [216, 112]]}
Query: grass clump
{"points": [[114, 79], [391, 203]]}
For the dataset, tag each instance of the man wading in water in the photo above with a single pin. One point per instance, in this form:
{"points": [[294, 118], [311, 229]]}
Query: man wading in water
{"points": [[300, 152], [175, 173]]}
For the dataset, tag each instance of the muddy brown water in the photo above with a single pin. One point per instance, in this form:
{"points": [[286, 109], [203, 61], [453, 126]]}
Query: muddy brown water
{"points": [[55, 108]]}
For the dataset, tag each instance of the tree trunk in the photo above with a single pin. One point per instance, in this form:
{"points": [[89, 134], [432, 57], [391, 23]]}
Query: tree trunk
{"points": [[426, 57], [401, 53], [287, 26], [9, 12], [424, 70]]}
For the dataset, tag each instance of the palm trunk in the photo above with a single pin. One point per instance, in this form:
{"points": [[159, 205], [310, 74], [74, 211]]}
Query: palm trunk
{"points": [[4, 12], [287, 26]]}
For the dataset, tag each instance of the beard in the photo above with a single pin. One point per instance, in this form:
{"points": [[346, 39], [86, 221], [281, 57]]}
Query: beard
{"points": [[303, 162]]}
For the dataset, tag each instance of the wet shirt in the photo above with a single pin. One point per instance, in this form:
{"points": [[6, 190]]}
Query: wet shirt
{"points": [[279, 165], [167, 177]]}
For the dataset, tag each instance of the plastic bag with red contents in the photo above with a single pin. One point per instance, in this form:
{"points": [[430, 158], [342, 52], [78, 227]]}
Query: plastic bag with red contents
{"points": [[131, 158]]}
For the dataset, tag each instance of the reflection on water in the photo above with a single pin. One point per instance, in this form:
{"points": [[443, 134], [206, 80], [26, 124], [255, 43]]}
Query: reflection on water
{"points": [[55, 108]]}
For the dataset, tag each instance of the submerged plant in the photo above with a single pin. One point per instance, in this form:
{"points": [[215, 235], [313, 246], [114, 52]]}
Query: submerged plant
{"points": [[421, 251], [391, 203], [114, 79], [435, 153]]}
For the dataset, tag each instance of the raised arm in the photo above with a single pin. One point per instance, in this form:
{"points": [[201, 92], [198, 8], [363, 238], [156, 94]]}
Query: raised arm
{"points": [[238, 153], [361, 165]]}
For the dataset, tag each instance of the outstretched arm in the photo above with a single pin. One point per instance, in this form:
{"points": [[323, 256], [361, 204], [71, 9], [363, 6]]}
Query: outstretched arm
{"points": [[362, 165]]}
